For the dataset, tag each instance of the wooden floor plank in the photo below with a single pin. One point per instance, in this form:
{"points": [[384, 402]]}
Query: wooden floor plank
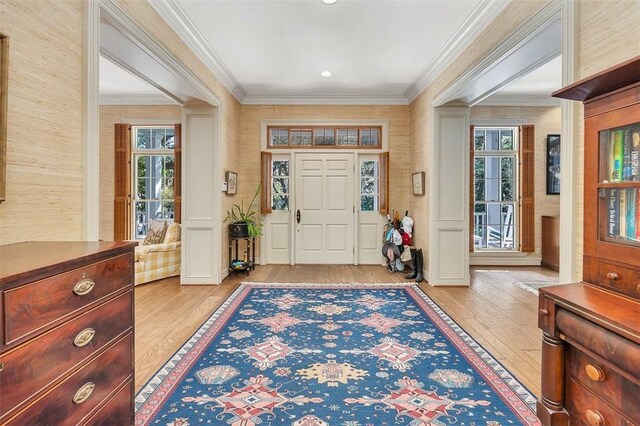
{"points": [[501, 316]]}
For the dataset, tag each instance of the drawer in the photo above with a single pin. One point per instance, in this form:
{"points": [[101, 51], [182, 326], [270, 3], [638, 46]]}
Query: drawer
{"points": [[75, 399], [600, 379], [618, 351], [40, 305], [587, 409], [118, 411], [619, 278], [32, 366]]}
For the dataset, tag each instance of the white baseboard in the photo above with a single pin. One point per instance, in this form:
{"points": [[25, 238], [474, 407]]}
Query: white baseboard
{"points": [[500, 259]]}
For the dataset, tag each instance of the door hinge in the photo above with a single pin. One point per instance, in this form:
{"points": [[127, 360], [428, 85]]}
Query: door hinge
{"points": [[354, 209]]}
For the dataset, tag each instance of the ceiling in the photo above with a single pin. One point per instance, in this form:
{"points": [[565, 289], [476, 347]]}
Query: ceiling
{"points": [[120, 87], [273, 51], [534, 88]]}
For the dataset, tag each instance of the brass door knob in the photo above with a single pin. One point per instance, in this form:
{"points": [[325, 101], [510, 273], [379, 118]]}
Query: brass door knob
{"points": [[594, 372], [594, 418]]}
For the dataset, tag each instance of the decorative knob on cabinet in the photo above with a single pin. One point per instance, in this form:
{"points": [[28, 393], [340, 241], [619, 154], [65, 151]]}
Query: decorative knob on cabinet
{"points": [[613, 276], [594, 418], [594, 372]]}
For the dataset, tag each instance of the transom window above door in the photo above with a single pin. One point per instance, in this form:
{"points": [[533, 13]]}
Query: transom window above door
{"points": [[324, 136]]}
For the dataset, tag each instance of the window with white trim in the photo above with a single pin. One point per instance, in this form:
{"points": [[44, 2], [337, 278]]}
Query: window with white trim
{"points": [[495, 166], [153, 162], [280, 185], [369, 185]]}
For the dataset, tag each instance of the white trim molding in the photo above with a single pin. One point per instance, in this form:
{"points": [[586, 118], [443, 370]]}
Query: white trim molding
{"points": [[91, 147], [178, 20], [136, 100], [568, 155], [127, 27], [489, 258], [538, 30], [478, 20], [325, 100], [520, 100]]}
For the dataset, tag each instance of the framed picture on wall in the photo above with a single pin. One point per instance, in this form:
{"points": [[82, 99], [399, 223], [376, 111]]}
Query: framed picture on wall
{"points": [[417, 180], [553, 164], [232, 182]]}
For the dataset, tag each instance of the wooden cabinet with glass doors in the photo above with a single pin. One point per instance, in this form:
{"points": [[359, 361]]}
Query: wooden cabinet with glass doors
{"points": [[591, 329]]}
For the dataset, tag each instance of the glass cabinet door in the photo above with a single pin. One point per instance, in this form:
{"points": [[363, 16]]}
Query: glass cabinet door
{"points": [[619, 185]]}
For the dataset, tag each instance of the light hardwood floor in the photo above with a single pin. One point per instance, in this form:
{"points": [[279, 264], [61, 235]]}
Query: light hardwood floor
{"points": [[499, 315]]}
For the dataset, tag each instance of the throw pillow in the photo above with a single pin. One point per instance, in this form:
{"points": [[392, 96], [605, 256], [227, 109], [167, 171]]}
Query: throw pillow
{"points": [[173, 233], [155, 234]]}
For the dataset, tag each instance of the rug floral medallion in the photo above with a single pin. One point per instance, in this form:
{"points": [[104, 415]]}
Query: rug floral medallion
{"points": [[339, 355]]}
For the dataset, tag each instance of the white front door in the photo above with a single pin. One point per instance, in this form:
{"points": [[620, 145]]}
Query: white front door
{"points": [[324, 211]]}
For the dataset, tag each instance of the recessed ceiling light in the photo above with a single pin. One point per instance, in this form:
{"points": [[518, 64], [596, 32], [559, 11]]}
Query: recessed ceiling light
{"points": [[329, 1], [326, 74]]}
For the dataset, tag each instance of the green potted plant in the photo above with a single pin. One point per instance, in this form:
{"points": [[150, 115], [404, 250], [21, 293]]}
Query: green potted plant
{"points": [[245, 223]]}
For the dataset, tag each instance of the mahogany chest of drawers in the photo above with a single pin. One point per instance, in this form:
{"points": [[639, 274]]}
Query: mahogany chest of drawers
{"points": [[590, 356], [66, 335]]}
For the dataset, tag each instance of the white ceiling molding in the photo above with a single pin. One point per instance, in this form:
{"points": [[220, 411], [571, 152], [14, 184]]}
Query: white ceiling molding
{"points": [[520, 100], [178, 20], [325, 100], [485, 13], [158, 99], [123, 33], [539, 32]]}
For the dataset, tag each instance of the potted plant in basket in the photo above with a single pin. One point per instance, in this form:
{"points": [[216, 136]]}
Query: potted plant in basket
{"points": [[245, 223]]}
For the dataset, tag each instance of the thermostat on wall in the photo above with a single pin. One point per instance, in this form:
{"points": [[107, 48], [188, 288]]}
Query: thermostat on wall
{"points": [[224, 186]]}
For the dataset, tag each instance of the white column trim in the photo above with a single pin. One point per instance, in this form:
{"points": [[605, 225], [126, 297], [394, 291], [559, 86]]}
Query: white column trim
{"points": [[568, 193], [91, 147]]}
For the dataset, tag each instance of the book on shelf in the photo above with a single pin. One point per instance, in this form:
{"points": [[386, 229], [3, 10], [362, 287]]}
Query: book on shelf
{"points": [[616, 167], [622, 212], [635, 154], [614, 213], [626, 154], [638, 214], [631, 214]]}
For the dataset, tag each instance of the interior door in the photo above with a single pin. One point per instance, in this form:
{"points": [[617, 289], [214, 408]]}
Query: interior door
{"points": [[325, 210]]}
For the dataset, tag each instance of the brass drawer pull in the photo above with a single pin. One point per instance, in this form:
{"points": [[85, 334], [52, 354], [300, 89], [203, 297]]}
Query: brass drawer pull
{"points": [[84, 337], [83, 287], [613, 276], [594, 418], [83, 393], [594, 372]]}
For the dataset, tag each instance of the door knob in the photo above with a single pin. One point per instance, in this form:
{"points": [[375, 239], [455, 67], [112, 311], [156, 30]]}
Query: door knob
{"points": [[298, 215]]}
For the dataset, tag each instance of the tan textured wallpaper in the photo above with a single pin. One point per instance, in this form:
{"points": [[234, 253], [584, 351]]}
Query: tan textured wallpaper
{"points": [[609, 33], [44, 163], [131, 114], [600, 44], [514, 15], [546, 120]]}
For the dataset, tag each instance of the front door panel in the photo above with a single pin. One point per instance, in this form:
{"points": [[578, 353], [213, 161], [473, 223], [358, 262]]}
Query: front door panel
{"points": [[324, 196]]}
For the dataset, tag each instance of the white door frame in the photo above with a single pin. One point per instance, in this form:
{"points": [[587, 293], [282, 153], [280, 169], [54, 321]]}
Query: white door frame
{"points": [[177, 81], [556, 10], [264, 251]]}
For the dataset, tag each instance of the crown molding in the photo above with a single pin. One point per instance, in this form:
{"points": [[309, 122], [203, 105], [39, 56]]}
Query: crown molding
{"points": [[325, 100], [136, 100], [178, 20], [541, 21], [500, 100], [477, 21]]}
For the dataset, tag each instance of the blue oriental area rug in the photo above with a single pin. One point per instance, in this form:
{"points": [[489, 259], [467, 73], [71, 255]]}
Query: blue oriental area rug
{"points": [[332, 355]]}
